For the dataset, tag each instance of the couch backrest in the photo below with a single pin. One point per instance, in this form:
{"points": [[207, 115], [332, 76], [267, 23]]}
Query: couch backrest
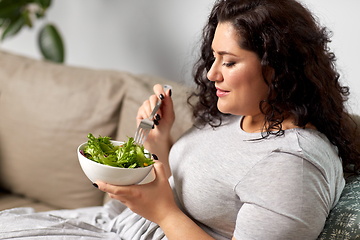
{"points": [[47, 111]]}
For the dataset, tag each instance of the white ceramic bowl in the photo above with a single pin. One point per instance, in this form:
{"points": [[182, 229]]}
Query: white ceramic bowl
{"points": [[114, 175]]}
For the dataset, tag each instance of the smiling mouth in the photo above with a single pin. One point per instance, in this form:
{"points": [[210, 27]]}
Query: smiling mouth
{"points": [[221, 92]]}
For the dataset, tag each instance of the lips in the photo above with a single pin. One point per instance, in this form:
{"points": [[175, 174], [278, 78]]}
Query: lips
{"points": [[221, 93]]}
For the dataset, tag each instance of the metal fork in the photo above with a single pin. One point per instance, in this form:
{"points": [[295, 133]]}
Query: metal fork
{"points": [[147, 123]]}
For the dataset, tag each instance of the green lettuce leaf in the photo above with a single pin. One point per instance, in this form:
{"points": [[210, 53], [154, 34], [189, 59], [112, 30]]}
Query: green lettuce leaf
{"points": [[128, 155]]}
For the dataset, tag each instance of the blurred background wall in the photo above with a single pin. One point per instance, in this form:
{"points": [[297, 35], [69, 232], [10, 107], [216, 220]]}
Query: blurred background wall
{"points": [[161, 37]]}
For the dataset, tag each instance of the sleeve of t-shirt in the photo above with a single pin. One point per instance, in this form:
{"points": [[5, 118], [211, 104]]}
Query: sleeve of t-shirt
{"points": [[285, 197]]}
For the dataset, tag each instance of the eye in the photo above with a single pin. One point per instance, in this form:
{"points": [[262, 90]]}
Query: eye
{"points": [[228, 64]]}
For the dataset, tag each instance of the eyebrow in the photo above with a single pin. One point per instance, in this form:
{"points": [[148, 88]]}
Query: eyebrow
{"points": [[221, 53]]}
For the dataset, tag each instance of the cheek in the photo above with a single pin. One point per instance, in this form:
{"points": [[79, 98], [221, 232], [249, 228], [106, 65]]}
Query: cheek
{"points": [[263, 89], [249, 90], [242, 80], [235, 79]]}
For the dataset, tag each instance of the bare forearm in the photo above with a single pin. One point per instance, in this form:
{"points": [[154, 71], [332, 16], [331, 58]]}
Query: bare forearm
{"points": [[161, 150], [179, 226]]}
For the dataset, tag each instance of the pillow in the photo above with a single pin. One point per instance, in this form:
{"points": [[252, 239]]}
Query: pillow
{"points": [[343, 221], [46, 112]]}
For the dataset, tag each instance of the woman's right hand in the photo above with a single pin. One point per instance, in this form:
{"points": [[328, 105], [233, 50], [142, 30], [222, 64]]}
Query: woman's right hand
{"points": [[159, 140]]}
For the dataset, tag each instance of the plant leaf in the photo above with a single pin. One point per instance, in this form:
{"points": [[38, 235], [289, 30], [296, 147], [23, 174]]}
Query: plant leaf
{"points": [[51, 44], [27, 19], [13, 27], [2, 21], [44, 3], [9, 11]]}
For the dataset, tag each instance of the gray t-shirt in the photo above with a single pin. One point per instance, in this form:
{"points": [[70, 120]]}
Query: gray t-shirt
{"points": [[233, 183]]}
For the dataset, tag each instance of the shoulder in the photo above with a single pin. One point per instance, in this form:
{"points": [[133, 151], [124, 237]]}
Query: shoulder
{"points": [[308, 144], [315, 148], [301, 161], [297, 184]]}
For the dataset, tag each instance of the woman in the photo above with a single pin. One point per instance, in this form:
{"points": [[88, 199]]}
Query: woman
{"points": [[265, 157], [264, 160]]}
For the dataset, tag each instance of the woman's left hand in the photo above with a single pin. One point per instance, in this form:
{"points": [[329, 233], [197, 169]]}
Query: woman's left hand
{"points": [[153, 201]]}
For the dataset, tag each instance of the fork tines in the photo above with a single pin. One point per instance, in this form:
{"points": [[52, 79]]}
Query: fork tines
{"points": [[143, 131], [140, 135], [146, 125]]}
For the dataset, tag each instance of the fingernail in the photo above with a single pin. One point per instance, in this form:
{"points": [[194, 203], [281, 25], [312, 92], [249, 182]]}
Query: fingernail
{"points": [[161, 96], [95, 185], [156, 122], [170, 92], [155, 157], [157, 117]]}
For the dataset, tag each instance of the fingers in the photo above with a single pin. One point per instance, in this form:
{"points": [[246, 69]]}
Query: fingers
{"points": [[160, 172], [113, 189], [129, 194], [131, 190], [147, 107], [162, 91], [167, 103], [163, 119], [124, 194], [151, 104]]}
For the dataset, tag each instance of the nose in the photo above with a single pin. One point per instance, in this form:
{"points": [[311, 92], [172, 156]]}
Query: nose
{"points": [[214, 74]]}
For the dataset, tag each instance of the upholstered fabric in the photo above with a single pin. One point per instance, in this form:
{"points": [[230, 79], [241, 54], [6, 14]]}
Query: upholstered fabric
{"points": [[47, 110], [344, 220]]}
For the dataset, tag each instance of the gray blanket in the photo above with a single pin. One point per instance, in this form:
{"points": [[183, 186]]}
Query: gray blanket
{"points": [[112, 221]]}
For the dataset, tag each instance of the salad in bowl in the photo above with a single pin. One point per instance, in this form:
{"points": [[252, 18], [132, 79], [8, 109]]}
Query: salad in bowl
{"points": [[115, 162]]}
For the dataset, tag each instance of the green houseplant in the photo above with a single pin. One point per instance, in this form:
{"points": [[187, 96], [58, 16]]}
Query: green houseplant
{"points": [[15, 14]]}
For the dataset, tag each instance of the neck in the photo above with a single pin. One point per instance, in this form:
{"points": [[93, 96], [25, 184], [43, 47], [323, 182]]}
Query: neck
{"points": [[253, 124]]}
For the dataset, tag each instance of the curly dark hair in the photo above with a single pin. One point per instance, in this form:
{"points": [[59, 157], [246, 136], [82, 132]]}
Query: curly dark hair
{"points": [[288, 39]]}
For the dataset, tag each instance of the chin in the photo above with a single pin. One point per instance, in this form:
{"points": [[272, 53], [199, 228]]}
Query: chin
{"points": [[223, 109], [227, 110]]}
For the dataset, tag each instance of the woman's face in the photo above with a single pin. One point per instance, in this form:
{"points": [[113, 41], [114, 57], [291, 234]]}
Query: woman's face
{"points": [[237, 74]]}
